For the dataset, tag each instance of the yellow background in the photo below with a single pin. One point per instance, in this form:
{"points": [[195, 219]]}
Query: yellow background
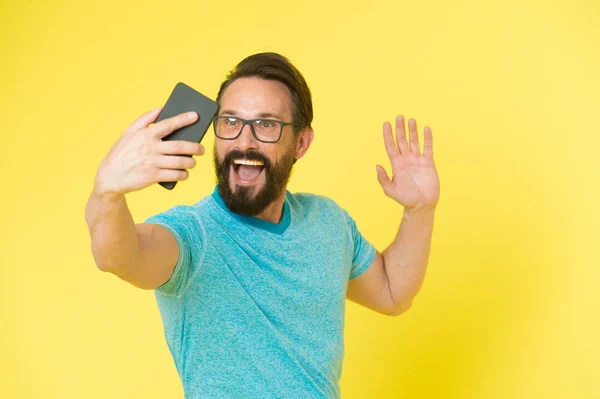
{"points": [[509, 308]]}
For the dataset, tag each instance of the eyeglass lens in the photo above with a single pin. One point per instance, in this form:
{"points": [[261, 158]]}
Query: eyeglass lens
{"points": [[230, 127]]}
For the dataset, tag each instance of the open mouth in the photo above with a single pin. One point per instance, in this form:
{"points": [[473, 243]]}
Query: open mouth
{"points": [[247, 171]]}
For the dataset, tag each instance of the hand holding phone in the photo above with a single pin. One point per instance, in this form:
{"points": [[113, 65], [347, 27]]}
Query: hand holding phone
{"points": [[185, 99], [141, 158]]}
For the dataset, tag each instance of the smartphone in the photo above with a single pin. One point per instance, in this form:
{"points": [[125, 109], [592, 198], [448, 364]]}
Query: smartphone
{"points": [[185, 99]]}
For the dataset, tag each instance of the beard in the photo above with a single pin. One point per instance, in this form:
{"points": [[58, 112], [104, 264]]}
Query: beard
{"points": [[242, 200]]}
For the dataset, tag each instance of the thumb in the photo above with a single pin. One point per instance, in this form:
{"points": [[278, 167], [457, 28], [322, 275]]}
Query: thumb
{"points": [[383, 178], [144, 120]]}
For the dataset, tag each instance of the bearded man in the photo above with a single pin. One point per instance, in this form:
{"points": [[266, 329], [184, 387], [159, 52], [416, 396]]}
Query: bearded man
{"points": [[251, 280]]}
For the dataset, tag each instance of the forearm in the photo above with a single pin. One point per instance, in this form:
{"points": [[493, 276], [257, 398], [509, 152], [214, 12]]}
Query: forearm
{"points": [[405, 260], [112, 230]]}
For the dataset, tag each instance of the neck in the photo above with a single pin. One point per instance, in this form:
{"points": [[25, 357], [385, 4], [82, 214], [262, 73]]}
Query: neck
{"points": [[274, 211]]}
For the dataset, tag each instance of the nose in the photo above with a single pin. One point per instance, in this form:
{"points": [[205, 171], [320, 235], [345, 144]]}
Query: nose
{"points": [[246, 139]]}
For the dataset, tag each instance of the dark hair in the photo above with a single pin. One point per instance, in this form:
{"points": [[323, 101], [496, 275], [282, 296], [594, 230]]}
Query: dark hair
{"points": [[273, 66]]}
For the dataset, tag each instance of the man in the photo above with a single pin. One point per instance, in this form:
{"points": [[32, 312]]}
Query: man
{"points": [[251, 281]]}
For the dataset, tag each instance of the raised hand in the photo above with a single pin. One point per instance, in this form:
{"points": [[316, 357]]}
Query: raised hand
{"points": [[414, 183]]}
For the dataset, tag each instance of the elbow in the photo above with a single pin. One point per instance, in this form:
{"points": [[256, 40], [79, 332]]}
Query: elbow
{"points": [[398, 310], [112, 268], [103, 265], [104, 268]]}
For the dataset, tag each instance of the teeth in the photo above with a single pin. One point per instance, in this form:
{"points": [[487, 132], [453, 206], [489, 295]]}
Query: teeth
{"points": [[248, 162]]}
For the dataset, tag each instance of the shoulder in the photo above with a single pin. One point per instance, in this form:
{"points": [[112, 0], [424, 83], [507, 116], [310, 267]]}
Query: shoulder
{"points": [[185, 211], [310, 199], [310, 203]]}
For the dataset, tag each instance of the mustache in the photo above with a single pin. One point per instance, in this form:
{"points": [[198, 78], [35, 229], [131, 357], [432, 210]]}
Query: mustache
{"points": [[250, 155]]}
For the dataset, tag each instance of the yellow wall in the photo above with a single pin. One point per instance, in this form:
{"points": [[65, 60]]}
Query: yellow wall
{"points": [[509, 308]]}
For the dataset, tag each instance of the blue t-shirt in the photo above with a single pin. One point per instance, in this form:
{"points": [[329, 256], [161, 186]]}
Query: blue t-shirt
{"points": [[255, 309]]}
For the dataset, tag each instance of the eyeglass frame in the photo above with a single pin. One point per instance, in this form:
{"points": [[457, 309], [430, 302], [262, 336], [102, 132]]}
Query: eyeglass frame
{"points": [[249, 123]]}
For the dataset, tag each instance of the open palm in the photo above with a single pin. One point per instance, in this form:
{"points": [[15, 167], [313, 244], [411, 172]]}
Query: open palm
{"points": [[414, 183]]}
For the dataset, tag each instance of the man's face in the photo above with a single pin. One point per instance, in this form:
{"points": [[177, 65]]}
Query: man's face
{"points": [[252, 174]]}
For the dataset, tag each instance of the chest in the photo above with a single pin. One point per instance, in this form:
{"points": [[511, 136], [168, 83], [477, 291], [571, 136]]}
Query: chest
{"points": [[303, 275]]}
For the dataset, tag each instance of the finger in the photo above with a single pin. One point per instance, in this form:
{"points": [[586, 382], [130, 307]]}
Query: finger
{"points": [[166, 175], [428, 143], [413, 136], [383, 178], [179, 147], [144, 120], [166, 126], [174, 162], [388, 139], [401, 134]]}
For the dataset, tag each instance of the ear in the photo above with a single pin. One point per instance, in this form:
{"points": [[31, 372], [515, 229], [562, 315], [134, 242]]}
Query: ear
{"points": [[303, 140]]}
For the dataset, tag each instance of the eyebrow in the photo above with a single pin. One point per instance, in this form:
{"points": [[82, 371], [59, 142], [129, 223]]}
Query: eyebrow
{"points": [[230, 112]]}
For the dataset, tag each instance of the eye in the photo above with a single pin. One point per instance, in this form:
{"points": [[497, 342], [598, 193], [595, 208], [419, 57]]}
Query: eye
{"points": [[267, 124], [231, 121]]}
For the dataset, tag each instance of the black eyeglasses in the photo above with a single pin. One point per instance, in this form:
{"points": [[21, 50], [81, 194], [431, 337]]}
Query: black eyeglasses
{"points": [[265, 130]]}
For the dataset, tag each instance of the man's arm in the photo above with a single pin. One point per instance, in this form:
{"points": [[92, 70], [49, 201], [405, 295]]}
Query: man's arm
{"points": [[144, 255], [395, 277]]}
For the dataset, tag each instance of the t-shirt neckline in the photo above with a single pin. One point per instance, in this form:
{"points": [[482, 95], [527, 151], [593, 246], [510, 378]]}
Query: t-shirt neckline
{"points": [[275, 228]]}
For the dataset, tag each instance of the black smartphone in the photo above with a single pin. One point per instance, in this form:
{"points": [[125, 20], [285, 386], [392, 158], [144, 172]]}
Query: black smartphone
{"points": [[185, 99]]}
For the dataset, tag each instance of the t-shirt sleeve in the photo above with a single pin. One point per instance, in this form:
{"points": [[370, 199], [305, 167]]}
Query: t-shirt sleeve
{"points": [[183, 223], [363, 251]]}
